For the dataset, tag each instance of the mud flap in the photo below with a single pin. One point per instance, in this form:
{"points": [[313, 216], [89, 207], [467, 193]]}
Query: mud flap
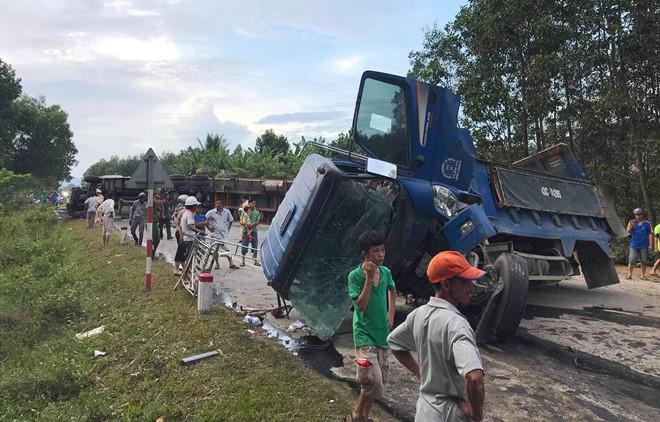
{"points": [[597, 266]]}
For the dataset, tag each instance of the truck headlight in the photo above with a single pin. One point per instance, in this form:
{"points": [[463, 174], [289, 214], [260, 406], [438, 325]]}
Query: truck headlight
{"points": [[444, 201]]}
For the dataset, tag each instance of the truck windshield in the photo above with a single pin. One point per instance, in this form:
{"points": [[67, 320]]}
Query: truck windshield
{"points": [[381, 127]]}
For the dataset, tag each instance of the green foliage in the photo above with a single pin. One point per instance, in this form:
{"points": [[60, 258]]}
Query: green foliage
{"points": [[272, 158], [271, 143], [16, 190], [114, 165], [34, 137], [59, 282], [535, 73]]}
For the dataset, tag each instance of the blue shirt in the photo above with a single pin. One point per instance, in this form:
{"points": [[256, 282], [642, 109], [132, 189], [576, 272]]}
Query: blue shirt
{"points": [[639, 237]]}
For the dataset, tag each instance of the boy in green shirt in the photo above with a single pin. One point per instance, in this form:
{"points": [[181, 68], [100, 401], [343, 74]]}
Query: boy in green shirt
{"points": [[373, 293]]}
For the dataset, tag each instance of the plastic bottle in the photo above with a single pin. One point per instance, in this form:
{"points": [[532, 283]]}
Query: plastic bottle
{"points": [[251, 320]]}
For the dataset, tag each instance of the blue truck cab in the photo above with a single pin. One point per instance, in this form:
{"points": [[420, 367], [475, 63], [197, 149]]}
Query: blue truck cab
{"points": [[417, 179]]}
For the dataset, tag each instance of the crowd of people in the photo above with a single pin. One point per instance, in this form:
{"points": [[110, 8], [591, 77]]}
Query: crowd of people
{"points": [[187, 216]]}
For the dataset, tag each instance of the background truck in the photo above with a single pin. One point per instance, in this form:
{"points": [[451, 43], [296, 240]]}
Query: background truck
{"points": [[418, 180]]}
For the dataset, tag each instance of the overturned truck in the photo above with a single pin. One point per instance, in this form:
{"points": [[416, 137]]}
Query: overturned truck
{"points": [[419, 182]]}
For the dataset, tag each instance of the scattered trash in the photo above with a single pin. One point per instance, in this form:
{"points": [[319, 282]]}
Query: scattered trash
{"points": [[252, 320], [117, 255], [250, 331], [332, 401], [98, 353], [296, 325], [195, 358], [109, 262], [91, 333]]}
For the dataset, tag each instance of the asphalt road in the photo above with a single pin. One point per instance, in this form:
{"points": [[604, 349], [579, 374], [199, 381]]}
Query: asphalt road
{"points": [[579, 354]]}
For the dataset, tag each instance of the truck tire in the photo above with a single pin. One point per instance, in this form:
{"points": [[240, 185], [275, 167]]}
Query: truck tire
{"points": [[513, 274]]}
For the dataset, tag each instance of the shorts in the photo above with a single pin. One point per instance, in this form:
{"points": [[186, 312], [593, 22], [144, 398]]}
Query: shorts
{"points": [[372, 379], [108, 224], [638, 254]]}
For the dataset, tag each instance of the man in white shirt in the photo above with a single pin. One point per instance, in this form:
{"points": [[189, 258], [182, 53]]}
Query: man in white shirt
{"points": [[106, 211], [188, 230], [91, 204], [448, 362], [219, 223]]}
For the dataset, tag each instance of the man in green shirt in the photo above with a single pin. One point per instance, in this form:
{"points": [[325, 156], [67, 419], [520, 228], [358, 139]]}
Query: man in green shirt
{"points": [[373, 293]]}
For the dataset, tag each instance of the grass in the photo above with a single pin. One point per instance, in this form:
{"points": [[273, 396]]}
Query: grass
{"points": [[56, 281]]}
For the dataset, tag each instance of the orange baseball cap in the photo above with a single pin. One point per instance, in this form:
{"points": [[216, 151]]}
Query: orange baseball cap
{"points": [[448, 264]]}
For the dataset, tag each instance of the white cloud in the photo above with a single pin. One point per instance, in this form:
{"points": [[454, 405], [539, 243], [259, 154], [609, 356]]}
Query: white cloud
{"points": [[136, 49], [348, 64], [123, 7]]}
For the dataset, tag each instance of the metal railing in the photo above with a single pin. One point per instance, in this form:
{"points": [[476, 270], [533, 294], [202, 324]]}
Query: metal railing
{"points": [[204, 251]]}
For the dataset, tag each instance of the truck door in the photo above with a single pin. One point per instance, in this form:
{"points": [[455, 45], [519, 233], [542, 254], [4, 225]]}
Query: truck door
{"points": [[381, 124]]}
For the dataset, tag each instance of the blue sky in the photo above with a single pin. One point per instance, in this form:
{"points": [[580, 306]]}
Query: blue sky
{"points": [[139, 74]]}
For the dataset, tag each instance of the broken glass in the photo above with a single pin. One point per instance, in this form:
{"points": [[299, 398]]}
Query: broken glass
{"points": [[320, 287]]}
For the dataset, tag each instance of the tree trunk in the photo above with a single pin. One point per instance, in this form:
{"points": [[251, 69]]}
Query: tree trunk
{"points": [[642, 184]]}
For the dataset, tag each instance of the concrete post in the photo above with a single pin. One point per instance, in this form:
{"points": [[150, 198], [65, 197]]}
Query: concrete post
{"points": [[205, 293]]}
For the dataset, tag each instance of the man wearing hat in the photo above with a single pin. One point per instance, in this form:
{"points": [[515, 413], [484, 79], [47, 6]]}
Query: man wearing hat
{"points": [[448, 362], [189, 231], [641, 241]]}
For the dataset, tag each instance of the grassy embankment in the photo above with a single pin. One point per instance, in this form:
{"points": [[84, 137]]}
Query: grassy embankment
{"points": [[55, 281]]}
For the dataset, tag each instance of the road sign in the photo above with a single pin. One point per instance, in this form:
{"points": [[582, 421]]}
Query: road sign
{"points": [[150, 162]]}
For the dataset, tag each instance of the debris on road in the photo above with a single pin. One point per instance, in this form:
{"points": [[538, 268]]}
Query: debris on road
{"points": [[91, 333], [252, 320], [296, 325], [195, 358]]}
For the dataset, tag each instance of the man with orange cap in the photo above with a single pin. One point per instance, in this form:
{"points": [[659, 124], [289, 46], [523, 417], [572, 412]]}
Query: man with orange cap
{"points": [[448, 361]]}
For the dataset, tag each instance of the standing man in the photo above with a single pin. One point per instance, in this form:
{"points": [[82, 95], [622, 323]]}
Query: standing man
{"points": [[91, 204], [166, 215], [250, 219], [106, 211], [219, 223], [641, 242], [373, 293], [188, 230], [157, 213], [137, 217], [448, 362]]}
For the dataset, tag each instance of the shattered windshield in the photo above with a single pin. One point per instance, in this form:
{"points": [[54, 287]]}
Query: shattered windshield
{"points": [[319, 289]]}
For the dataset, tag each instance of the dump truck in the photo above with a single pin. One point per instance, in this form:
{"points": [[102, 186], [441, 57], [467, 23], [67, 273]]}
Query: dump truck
{"points": [[413, 174]]}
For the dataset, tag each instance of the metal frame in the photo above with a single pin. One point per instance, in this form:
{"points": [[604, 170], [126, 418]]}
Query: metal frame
{"points": [[329, 148], [201, 257]]}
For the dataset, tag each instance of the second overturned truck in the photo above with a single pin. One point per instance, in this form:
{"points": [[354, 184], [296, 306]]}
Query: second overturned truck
{"points": [[420, 183]]}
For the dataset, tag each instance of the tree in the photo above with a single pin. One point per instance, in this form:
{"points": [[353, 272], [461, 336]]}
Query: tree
{"points": [[115, 165], [10, 90], [34, 137], [43, 144], [271, 143], [535, 73]]}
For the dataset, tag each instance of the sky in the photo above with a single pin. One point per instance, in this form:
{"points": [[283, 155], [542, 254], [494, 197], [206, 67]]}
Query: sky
{"points": [[134, 74]]}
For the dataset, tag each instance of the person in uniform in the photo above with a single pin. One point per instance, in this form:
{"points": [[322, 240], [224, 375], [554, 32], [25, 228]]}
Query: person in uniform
{"points": [[448, 362]]}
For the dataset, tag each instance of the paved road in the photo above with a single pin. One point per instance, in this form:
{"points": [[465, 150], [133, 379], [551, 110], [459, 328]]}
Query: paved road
{"points": [[579, 355]]}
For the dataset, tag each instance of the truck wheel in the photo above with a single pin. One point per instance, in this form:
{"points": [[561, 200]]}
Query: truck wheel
{"points": [[513, 274]]}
